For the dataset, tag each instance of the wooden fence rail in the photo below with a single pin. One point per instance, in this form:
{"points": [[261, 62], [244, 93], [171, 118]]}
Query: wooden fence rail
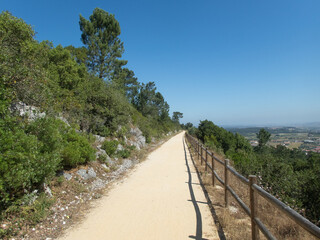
{"points": [[252, 210]]}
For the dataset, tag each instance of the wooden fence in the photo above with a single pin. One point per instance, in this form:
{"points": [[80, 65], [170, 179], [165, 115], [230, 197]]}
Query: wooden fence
{"points": [[252, 210]]}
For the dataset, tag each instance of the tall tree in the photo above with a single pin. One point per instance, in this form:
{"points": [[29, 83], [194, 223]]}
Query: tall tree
{"points": [[124, 80], [263, 137], [151, 103], [21, 73], [145, 99], [176, 116], [100, 35], [162, 107]]}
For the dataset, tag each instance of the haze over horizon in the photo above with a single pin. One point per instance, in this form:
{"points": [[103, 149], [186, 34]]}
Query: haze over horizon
{"points": [[298, 125], [231, 62]]}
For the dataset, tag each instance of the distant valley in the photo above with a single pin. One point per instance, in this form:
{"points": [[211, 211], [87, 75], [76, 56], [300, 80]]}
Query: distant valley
{"points": [[306, 137]]}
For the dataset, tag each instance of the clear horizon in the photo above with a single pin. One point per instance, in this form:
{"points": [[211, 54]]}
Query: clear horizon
{"points": [[231, 62]]}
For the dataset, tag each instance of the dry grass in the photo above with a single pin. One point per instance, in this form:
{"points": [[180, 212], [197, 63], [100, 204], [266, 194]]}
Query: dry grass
{"points": [[234, 221]]}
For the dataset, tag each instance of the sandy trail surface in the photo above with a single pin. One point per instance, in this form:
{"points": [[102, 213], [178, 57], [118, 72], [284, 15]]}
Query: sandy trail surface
{"points": [[160, 199]]}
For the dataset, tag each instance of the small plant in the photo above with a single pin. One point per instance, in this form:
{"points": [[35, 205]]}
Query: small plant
{"points": [[60, 180], [110, 147], [121, 132], [91, 138], [102, 158], [39, 210], [78, 187], [113, 168], [123, 153], [105, 132], [131, 148]]}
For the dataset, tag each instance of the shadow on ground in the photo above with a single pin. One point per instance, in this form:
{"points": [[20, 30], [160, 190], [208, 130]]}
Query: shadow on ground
{"points": [[198, 235]]}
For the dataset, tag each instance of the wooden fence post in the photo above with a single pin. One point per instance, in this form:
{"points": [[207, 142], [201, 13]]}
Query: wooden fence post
{"points": [[253, 208], [198, 144], [226, 182], [206, 159], [212, 165], [201, 154]]}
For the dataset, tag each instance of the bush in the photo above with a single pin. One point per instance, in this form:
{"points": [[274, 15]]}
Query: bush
{"points": [[49, 131], [38, 210], [77, 149], [62, 141], [123, 153], [121, 132], [24, 165], [71, 155], [103, 158], [110, 147], [31, 153]]}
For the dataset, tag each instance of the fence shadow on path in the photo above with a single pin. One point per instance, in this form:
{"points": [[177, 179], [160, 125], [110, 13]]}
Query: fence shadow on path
{"points": [[198, 235]]}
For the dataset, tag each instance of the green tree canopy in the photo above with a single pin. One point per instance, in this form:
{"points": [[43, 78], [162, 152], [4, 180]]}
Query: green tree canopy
{"points": [[263, 137], [80, 54], [125, 81], [100, 35], [176, 116], [18, 60]]}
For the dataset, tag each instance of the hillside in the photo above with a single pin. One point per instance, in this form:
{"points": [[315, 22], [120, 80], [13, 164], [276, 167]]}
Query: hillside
{"points": [[65, 107]]}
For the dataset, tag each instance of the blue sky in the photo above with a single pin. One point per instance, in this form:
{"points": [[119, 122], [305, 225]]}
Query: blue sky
{"points": [[233, 62]]}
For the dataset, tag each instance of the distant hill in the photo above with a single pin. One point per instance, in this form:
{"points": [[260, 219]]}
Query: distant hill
{"points": [[313, 125], [276, 130]]}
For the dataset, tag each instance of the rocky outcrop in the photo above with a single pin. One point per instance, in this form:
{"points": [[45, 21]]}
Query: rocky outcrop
{"points": [[67, 176], [126, 164], [86, 174], [25, 110], [97, 184], [100, 152], [138, 140], [47, 190], [120, 148]]}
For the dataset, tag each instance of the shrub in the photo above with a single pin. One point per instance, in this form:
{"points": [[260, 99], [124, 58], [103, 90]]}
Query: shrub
{"points": [[38, 210], [49, 131], [110, 147], [71, 155], [131, 148], [77, 149], [121, 132], [123, 153], [25, 161], [31, 153], [103, 158]]}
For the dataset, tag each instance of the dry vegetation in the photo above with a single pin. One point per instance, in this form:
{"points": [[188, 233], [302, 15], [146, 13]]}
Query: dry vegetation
{"points": [[234, 221]]}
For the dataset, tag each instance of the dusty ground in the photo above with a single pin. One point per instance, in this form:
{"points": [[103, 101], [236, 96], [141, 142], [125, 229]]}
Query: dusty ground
{"points": [[160, 199]]}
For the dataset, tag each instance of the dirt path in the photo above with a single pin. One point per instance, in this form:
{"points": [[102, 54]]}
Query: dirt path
{"points": [[161, 199]]}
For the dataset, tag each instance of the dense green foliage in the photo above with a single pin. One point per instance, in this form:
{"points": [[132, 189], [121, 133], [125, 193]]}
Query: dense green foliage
{"points": [[110, 147], [100, 35], [87, 86], [32, 152], [263, 137], [291, 175], [176, 116]]}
